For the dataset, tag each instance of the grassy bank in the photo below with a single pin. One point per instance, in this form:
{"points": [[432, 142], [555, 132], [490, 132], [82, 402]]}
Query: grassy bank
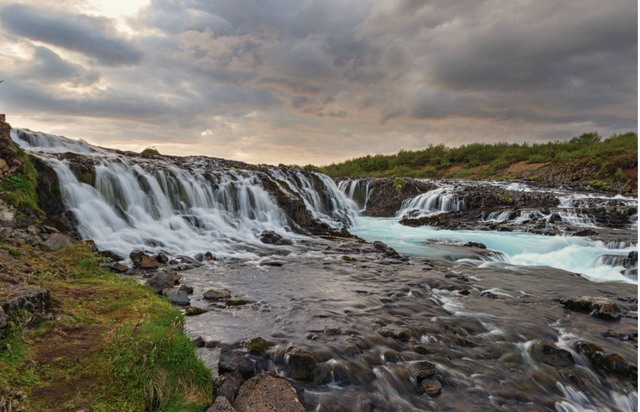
{"points": [[110, 344], [608, 160]]}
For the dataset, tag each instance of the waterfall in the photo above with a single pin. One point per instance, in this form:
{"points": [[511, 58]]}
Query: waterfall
{"points": [[320, 194], [431, 203], [179, 205], [358, 190]]}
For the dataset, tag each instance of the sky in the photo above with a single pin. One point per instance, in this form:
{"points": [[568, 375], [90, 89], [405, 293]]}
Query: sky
{"points": [[317, 81]]}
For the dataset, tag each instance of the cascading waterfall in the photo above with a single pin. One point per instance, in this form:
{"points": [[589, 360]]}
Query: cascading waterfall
{"points": [[358, 190], [159, 206], [320, 194], [433, 202]]}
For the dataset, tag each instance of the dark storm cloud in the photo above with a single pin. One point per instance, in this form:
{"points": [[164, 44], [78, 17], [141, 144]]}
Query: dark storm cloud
{"points": [[93, 36], [346, 77]]}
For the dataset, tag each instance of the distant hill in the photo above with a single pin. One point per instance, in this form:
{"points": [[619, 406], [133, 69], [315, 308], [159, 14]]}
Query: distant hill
{"points": [[609, 164]]}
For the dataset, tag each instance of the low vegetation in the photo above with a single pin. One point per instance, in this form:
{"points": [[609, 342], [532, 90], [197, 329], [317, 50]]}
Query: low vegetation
{"points": [[19, 190], [150, 151], [607, 158], [110, 345]]}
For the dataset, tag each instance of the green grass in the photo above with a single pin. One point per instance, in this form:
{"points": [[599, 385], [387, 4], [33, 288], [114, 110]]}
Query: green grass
{"points": [[20, 190], [150, 151], [136, 356], [606, 157]]}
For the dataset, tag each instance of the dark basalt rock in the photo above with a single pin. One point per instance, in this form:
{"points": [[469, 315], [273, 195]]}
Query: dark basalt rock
{"points": [[213, 294], [177, 297], [160, 281], [301, 364], [476, 245], [236, 362], [400, 334], [610, 363], [270, 237], [421, 369], [227, 385], [550, 354], [598, 307], [387, 194]]}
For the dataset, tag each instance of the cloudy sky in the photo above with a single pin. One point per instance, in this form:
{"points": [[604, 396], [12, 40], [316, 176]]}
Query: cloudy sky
{"points": [[316, 81]]}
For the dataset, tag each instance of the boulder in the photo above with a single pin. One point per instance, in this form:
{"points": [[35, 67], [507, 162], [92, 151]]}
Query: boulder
{"points": [[227, 384], [177, 296], [193, 311], [610, 363], [236, 362], [56, 241], [119, 267], [432, 387], [34, 300], [268, 393], [270, 237], [221, 405], [208, 257], [186, 288], [301, 364], [216, 294], [548, 353], [599, 307], [400, 334], [143, 261], [160, 281], [421, 369], [257, 346]]}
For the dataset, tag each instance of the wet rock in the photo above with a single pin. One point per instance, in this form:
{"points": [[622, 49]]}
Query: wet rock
{"points": [[186, 288], [301, 364], [221, 404], [551, 355], [268, 393], [421, 369], [257, 346], [119, 267], [377, 245], [273, 263], [216, 294], [270, 237], [238, 302], [56, 241], [194, 311], [599, 307], [476, 245], [160, 281], [4, 321], [232, 361], [115, 257], [198, 342], [162, 258], [227, 385], [555, 218], [432, 387], [585, 232], [400, 334], [610, 363], [177, 297], [143, 261]]}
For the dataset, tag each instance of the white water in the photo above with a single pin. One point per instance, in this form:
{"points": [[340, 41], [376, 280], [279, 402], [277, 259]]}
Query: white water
{"points": [[574, 254], [201, 206], [158, 206], [433, 202]]}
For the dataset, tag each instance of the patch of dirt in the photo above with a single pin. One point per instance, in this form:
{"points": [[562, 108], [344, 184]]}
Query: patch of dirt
{"points": [[66, 349], [520, 167]]}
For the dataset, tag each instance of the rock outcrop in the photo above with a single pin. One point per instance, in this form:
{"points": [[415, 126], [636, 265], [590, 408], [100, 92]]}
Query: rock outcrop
{"points": [[9, 161]]}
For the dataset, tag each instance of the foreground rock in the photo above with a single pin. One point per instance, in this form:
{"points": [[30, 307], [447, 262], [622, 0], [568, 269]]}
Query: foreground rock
{"points": [[56, 241], [268, 393], [161, 281], [221, 405], [301, 364], [598, 307]]}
